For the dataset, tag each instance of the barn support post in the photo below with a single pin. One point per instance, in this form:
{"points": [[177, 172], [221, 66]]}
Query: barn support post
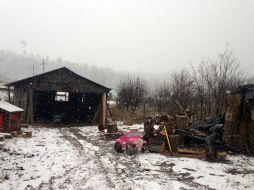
{"points": [[9, 94], [30, 106], [103, 110]]}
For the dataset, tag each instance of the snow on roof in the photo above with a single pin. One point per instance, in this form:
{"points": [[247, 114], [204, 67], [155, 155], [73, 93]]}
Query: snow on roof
{"points": [[9, 107]]}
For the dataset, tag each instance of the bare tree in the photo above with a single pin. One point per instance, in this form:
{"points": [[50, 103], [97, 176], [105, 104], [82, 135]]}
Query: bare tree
{"points": [[132, 93], [182, 89], [219, 76], [203, 90], [162, 97]]}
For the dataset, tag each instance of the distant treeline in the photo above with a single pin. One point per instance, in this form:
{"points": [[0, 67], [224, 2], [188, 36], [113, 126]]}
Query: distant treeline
{"points": [[201, 90], [15, 67]]}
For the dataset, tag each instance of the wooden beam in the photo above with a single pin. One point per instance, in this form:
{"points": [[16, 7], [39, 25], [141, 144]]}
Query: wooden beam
{"points": [[190, 151], [9, 94], [30, 106], [103, 109], [109, 111], [96, 115]]}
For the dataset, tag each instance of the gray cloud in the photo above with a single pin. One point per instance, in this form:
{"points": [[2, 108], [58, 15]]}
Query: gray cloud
{"points": [[133, 35]]}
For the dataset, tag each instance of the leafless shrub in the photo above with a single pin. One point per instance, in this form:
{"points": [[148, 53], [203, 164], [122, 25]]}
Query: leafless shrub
{"points": [[162, 97], [132, 93], [213, 78], [182, 89], [202, 89]]}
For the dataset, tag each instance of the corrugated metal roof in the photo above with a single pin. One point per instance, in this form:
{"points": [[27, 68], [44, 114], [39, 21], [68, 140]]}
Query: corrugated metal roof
{"points": [[55, 70], [9, 107]]}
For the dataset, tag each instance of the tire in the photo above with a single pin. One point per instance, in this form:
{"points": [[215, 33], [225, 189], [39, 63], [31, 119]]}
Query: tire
{"points": [[130, 149], [118, 148]]}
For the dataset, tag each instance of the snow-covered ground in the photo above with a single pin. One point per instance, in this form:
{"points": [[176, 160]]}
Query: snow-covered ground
{"points": [[82, 158]]}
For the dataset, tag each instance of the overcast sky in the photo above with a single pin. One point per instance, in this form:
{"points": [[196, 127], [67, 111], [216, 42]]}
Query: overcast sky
{"points": [[133, 35]]}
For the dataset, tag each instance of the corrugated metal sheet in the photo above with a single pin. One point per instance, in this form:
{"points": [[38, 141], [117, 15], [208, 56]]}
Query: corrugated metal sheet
{"points": [[9, 107]]}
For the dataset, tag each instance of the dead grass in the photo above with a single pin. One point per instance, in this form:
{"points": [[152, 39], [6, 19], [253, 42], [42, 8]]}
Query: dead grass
{"points": [[128, 117]]}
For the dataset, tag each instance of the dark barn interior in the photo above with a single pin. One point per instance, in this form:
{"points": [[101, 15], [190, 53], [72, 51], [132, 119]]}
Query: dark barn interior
{"points": [[72, 107], [60, 96]]}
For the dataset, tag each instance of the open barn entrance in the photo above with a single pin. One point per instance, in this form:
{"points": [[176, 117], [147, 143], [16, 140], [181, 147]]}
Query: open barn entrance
{"points": [[61, 94], [65, 107]]}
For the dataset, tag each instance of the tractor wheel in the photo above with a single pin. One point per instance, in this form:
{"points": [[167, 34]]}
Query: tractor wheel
{"points": [[118, 147], [130, 149]]}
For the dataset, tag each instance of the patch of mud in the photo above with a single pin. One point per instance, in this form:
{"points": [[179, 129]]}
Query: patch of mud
{"points": [[185, 177], [234, 171], [190, 170]]}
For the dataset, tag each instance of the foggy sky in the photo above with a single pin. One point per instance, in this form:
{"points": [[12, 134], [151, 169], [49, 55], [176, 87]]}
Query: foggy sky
{"points": [[133, 35]]}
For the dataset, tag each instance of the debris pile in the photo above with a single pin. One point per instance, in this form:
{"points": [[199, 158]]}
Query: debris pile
{"points": [[232, 131], [183, 135], [201, 139]]}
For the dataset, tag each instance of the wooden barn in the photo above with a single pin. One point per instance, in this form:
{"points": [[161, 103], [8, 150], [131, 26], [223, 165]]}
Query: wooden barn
{"points": [[10, 117], [60, 96]]}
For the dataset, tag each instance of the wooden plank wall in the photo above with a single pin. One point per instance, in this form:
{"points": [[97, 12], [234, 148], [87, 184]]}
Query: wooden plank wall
{"points": [[61, 81]]}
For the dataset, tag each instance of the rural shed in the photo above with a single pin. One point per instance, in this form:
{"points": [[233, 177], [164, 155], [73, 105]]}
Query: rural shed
{"points": [[60, 94], [10, 117]]}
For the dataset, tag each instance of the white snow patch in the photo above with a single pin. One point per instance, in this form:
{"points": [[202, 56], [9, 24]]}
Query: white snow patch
{"points": [[49, 160]]}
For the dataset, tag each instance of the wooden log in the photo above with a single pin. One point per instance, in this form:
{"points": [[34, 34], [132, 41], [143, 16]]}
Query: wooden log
{"points": [[27, 134], [190, 151], [198, 156], [24, 135], [222, 154], [14, 133]]}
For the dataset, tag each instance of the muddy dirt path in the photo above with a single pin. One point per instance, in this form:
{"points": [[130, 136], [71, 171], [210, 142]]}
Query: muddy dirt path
{"points": [[116, 176], [83, 158], [126, 168], [80, 148]]}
